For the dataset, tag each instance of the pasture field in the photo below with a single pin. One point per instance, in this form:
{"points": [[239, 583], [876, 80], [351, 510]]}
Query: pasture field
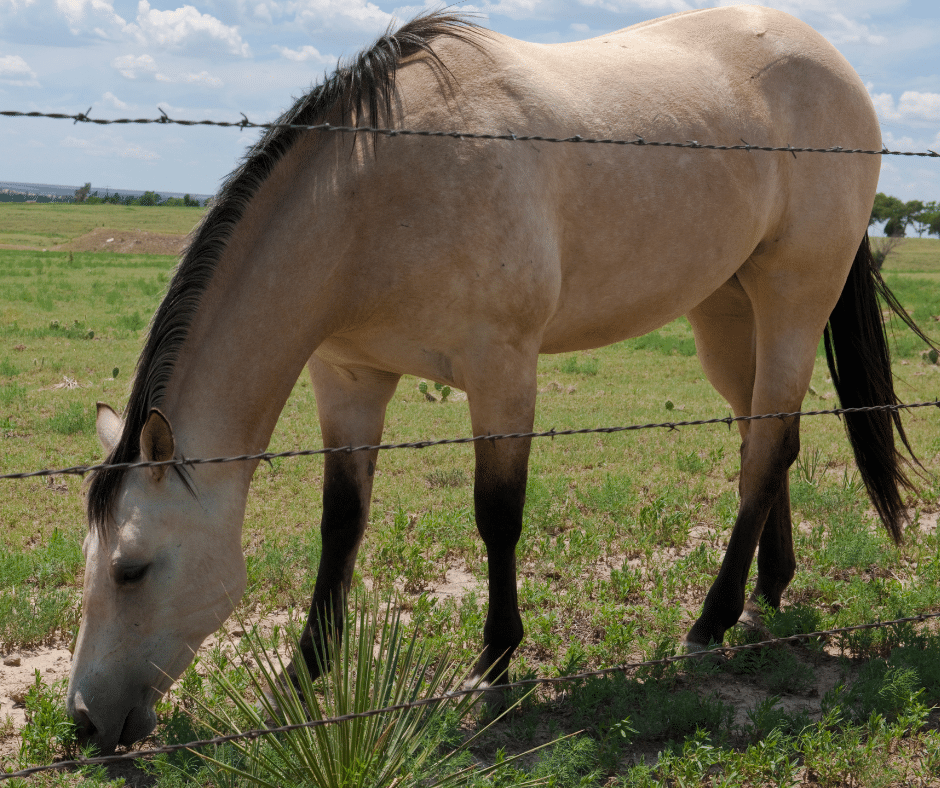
{"points": [[623, 536], [51, 224]]}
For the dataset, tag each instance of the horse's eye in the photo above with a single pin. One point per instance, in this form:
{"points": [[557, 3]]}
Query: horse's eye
{"points": [[129, 575]]}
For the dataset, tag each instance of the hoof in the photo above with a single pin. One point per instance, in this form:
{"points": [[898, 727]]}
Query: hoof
{"points": [[752, 620], [491, 698], [710, 653], [691, 646]]}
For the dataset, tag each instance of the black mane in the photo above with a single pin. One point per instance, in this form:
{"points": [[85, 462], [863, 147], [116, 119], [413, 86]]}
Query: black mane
{"points": [[363, 83]]}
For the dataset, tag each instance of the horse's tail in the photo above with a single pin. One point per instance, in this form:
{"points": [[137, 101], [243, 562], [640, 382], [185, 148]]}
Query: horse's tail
{"points": [[860, 364]]}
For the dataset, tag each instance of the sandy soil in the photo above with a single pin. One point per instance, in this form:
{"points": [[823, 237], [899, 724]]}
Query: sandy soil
{"points": [[128, 241]]}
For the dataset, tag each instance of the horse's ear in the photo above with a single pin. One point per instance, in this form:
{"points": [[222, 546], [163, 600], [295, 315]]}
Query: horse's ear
{"points": [[157, 443], [109, 427]]}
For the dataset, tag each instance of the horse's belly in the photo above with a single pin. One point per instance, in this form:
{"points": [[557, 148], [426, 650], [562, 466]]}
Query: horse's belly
{"points": [[619, 310]]}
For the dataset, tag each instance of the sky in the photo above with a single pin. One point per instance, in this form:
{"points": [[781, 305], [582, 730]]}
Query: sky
{"points": [[221, 58]]}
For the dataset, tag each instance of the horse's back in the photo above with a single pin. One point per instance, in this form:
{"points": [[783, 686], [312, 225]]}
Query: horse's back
{"points": [[580, 245], [732, 64]]}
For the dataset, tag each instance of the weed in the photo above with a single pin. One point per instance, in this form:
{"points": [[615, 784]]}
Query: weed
{"points": [[130, 322], [452, 477], [810, 466], [571, 366], [11, 392], [444, 391], [74, 419], [49, 731]]}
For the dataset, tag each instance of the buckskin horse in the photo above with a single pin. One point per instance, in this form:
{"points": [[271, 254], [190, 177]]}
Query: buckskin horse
{"points": [[365, 257]]}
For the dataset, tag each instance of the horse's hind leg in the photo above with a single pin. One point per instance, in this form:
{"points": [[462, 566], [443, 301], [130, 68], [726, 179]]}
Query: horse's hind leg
{"points": [[502, 400], [724, 335], [351, 408], [772, 380]]}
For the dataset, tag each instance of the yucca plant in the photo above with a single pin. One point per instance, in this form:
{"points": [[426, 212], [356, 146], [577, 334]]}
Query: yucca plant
{"points": [[374, 666]]}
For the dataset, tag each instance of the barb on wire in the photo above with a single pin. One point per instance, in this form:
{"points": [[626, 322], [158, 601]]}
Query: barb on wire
{"points": [[81, 470], [84, 117], [250, 735]]}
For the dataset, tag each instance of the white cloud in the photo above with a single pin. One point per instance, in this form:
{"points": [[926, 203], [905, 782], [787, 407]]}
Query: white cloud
{"points": [[263, 13], [320, 14], [618, 6], [202, 78], [913, 106], [16, 71], [110, 147], [303, 54], [131, 66], [187, 29], [85, 16], [113, 101], [514, 9]]}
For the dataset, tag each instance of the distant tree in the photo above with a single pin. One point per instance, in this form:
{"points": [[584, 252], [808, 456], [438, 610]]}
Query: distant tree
{"points": [[899, 215], [149, 198], [927, 218], [190, 202], [934, 227], [882, 247], [895, 227], [81, 194], [173, 202]]}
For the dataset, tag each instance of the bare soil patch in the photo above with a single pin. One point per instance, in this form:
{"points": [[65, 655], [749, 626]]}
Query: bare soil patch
{"points": [[127, 241], [17, 674]]}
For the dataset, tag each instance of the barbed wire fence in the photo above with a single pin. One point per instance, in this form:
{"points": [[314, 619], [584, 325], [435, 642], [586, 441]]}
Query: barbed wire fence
{"points": [[638, 141], [245, 123], [81, 470]]}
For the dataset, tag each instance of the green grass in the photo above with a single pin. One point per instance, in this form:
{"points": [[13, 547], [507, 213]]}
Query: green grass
{"points": [[50, 224], [622, 538]]}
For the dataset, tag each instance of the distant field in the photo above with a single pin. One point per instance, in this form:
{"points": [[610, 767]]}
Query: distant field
{"points": [[915, 255], [43, 226]]}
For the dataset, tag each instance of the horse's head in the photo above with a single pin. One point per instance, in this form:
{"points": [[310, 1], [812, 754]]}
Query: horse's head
{"points": [[160, 576]]}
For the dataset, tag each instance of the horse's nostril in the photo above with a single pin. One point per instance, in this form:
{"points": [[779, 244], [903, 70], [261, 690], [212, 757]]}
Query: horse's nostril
{"points": [[85, 729]]}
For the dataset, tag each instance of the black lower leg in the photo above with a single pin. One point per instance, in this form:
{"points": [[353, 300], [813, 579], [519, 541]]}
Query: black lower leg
{"points": [[499, 502], [345, 512], [776, 562], [766, 458]]}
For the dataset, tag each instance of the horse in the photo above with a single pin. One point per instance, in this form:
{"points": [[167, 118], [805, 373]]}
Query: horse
{"points": [[367, 256]]}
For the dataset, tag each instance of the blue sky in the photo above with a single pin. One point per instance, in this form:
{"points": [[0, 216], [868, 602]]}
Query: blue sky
{"points": [[126, 58]]}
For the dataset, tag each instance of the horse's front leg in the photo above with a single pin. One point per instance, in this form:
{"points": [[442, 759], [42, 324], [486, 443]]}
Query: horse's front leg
{"points": [[504, 404], [352, 412]]}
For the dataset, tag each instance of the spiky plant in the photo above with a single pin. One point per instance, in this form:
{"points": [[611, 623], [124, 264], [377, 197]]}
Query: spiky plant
{"points": [[375, 666]]}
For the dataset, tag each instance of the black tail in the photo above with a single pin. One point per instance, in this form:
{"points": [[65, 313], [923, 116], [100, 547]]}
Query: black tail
{"points": [[857, 353]]}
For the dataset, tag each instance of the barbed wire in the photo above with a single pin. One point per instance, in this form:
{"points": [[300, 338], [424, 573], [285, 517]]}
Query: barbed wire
{"points": [[81, 470], [627, 667], [244, 123]]}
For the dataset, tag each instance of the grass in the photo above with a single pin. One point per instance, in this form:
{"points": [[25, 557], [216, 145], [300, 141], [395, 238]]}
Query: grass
{"points": [[50, 224], [622, 538]]}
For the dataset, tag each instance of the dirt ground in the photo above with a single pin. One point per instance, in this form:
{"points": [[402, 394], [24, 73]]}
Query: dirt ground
{"points": [[127, 241]]}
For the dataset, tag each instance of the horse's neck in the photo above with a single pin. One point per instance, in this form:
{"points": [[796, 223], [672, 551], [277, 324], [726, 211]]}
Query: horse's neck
{"points": [[266, 310]]}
